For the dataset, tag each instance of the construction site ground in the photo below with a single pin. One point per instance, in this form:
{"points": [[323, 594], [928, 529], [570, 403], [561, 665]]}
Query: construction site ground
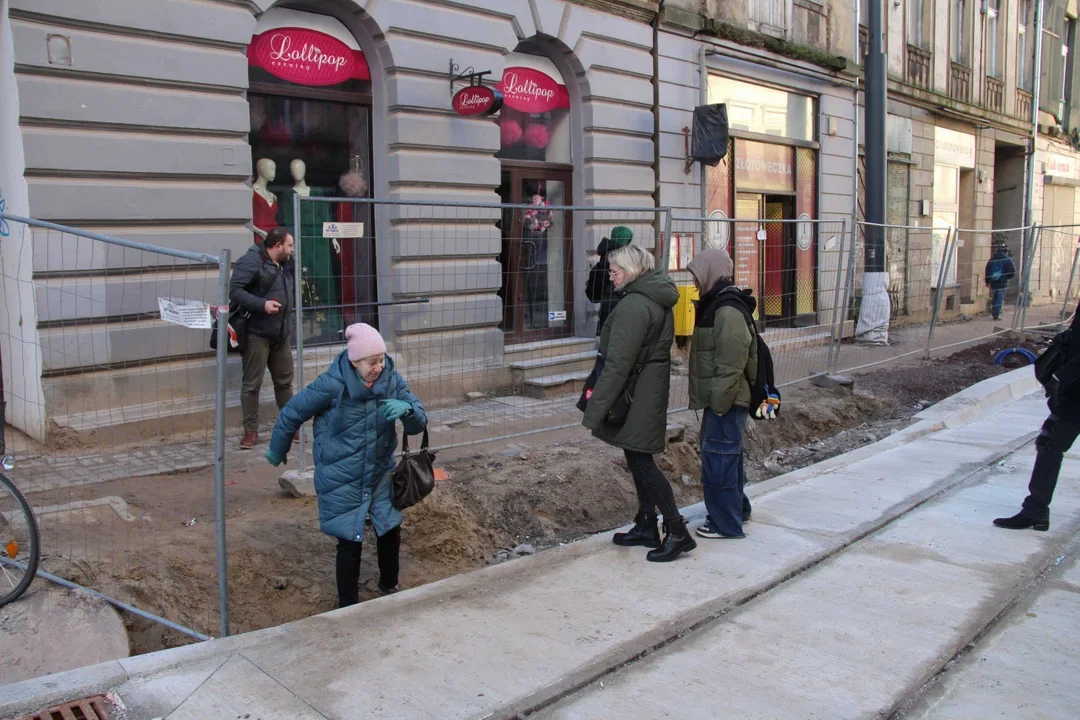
{"points": [[147, 537]]}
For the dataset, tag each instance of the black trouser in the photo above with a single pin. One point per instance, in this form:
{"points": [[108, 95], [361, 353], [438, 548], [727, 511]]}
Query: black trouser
{"points": [[1055, 439], [387, 548], [653, 489]]}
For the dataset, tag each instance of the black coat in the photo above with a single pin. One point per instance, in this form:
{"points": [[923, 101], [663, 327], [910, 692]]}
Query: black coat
{"points": [[255, 279], [600, 290]]}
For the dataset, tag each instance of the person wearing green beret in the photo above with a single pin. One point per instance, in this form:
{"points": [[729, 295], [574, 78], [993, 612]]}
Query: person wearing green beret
{"points": [[599, 288]]}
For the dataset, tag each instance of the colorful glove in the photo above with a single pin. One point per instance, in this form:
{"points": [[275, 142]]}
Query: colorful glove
{"points": [[768, 408], [273, 458], [394, 409]]}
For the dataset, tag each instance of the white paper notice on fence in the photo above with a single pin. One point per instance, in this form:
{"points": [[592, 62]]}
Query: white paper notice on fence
{"points": [[342, 230], [189, 313]]}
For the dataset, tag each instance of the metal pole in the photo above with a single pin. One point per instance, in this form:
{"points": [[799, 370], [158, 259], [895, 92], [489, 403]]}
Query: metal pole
{"points": [[849, 289], [1036, 240], [1072, 275], [1036, 87], [219, 442], [299, 293], [703, 99], [667, 240], [1025, 248], [876, 93], [835, 332], [855, 137], [943, 273]]}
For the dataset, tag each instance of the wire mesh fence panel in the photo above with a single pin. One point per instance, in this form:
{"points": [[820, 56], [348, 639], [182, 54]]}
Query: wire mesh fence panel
{"points": [[1054, 284], [918, 270], [110, 390], [490, 311], [795, 269]]}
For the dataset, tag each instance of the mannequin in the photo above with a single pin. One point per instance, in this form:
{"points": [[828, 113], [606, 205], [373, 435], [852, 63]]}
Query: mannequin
{"points": [[316, 261], [264, 207]]}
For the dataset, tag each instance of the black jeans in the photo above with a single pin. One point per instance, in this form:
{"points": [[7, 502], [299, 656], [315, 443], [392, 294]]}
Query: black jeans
{"points": [[387, 547], [653, 489], [1055, 439]]}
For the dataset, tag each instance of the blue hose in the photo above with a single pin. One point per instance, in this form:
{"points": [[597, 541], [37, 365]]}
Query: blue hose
{"points": [[1000, 358]]}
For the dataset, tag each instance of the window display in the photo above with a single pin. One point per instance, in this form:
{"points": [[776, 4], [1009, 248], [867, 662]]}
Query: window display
{"points": [[326, 147]]}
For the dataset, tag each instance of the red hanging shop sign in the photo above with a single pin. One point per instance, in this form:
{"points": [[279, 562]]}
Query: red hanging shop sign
{"points": [[477, 100], [307, 57], [532, 91]]}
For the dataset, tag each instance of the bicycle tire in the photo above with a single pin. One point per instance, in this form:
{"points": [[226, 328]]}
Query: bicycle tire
{"points": [[35, 550]]}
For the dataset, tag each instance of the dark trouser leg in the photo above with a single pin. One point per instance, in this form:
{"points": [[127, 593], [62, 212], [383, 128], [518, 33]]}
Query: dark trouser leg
{"points": [[722, 472], [348, 572], [256, 353], [645, 472], [280, 362], [998, 300], [646, 506], [388, 546], [1055, 439]]}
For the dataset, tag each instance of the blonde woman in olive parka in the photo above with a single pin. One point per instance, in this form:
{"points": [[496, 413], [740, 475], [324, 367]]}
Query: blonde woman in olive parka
{"points": [[637, 339], [723, 368]]}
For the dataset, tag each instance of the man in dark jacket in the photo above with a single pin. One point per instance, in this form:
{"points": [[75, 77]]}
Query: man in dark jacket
{"points": [[999, 271], [262, 285], [723, 367], [1058, 434], [599, 288]]}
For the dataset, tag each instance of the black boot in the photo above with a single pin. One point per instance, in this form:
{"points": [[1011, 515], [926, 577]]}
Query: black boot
{"points": [[1022, 521], [645, 532], [677, 540]]}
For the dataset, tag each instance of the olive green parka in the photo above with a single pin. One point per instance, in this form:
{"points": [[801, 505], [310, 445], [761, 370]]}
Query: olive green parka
{"points": [[638, 333]]}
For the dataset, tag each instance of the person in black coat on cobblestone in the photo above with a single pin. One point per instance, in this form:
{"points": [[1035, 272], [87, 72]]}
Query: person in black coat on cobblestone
{"points": [[1058, 434]]}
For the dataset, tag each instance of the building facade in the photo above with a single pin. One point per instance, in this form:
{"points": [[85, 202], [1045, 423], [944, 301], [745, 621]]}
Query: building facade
{"points": [[194, 125]]}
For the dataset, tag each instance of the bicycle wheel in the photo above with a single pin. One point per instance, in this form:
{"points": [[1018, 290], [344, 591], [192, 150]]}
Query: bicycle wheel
{"points": [[19, 550]]}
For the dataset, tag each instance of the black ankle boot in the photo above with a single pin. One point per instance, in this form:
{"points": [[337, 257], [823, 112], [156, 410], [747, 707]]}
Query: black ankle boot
{"points": [[677, 540], [1022, 521], [645, 532]]}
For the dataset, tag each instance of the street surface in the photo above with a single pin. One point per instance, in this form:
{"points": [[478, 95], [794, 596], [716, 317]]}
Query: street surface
{"points": [[862, 578]]}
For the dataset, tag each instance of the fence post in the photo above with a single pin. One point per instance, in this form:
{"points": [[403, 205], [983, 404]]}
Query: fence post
{"points": [[1025, 274], [1072, 275], [298, 290], [849, 290], [219, 440], [833, 332], [666, 259], [943, 273], [1036, 237]]}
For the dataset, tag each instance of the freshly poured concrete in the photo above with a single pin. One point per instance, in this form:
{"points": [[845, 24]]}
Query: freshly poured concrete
{"points": [[868, 614]]}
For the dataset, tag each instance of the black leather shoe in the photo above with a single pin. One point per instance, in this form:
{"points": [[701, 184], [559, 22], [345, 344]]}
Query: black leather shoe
{"points": [[1022, 521], [645, 532], [676, 542]]}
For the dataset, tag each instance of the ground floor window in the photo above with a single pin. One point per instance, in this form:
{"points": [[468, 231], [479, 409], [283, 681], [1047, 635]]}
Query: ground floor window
{"points": [[315, 147]]}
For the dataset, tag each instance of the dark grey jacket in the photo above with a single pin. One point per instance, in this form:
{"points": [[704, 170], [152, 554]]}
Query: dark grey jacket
{"points": [[255, 279]]}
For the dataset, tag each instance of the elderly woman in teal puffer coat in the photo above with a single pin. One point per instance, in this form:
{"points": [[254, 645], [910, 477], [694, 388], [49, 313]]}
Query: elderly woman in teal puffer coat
{"points": [[356, 404]]}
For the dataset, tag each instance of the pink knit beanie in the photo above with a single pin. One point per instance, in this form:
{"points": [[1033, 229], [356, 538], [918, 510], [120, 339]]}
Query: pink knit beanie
{"points": [[364, 341]]}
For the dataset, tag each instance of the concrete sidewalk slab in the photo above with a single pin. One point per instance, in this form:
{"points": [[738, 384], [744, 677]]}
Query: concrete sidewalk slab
{"points": [[1025, 667], [851, 637], [518, 635]]}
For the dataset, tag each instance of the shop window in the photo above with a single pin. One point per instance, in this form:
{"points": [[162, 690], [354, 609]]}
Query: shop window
{"points": [[764, 110]]}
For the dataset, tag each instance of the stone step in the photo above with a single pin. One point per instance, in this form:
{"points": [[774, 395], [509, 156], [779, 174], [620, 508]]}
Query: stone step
{"points": [[548, 386], [548, 348], [540, 367]]}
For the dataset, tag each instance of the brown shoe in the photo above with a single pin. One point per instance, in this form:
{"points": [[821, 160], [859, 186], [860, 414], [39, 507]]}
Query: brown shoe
{"points": [[296, 437], [248, 441]]}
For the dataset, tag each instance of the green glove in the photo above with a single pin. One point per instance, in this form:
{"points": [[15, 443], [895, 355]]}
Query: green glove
{"points": [[394, 409], [273, 458]]}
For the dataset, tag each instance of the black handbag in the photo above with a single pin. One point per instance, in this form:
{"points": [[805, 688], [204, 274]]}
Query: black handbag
{"points": [[237, 332], [620, 411], [414, 477]]}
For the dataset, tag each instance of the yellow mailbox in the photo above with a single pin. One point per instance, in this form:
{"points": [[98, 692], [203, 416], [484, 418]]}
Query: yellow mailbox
{"points": [[684, 310]]}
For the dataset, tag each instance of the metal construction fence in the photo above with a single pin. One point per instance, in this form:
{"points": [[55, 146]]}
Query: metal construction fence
{"points": [[115, 415], [481, 303], [117, 410]]}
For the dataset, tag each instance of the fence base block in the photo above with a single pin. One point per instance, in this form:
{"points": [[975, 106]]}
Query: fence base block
{"points": [[828, 381], [298, 484]]}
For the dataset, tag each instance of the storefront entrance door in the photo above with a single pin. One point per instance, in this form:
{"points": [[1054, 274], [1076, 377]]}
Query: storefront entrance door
{"points": [[537, 287], [773, 273]]}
